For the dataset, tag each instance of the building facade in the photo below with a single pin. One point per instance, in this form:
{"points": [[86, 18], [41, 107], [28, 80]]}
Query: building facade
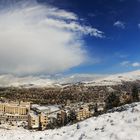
{"points": [[83, 113], [43, 119], [33, 121], [14, 111]]}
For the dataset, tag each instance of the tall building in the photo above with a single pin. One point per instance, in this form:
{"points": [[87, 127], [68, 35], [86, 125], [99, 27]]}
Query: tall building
{"points": [[62, 117], [43, 119], [33, 120], [14, 111], [83, 113]]}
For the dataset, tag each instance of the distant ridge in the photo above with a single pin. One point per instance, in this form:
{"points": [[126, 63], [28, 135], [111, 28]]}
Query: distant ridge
{"points": [[86, 79]]}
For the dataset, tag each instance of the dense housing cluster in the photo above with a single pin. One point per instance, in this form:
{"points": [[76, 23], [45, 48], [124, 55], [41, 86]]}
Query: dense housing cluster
{"points": [[59, 95], [41, 109], [54, 116], [46, 117]]}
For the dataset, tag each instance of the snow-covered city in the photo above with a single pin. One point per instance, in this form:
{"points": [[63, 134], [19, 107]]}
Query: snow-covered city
{"points": [[120, 124], [69, 69]]}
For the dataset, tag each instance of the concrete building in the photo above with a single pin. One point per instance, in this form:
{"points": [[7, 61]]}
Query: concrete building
{"points": [[100, 106], [83, 113], [43, 119], [33, 120], [62, 117], [14, 111], [42, 116]]}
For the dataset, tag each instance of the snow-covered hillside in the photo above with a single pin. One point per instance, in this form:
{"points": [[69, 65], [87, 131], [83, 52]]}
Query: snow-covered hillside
{"points": [[116, 79], [28, 81], [87, 79], [123, 125], [99, 80]]}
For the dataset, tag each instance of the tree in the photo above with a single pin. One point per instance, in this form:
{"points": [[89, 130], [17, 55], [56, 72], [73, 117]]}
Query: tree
{"points": [[135, 93], [72, 116], [112, 100]]}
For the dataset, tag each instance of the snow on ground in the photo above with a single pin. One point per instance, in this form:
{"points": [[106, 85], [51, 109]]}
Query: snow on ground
{"points": [[88, 79], [27, 81], [123, 125], [115, 79]]}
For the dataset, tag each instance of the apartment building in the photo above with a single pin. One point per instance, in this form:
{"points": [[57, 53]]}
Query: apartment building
{"points": [[83, 113], [33, 120], [14, 111], [100, 106], [42, 116], [62, 117], [43, 119]]}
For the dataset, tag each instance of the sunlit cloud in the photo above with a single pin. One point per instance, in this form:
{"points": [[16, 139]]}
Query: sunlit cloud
{"points": [[38, 39]]}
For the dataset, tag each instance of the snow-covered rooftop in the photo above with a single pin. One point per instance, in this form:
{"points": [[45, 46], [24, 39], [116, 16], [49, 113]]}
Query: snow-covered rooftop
{"points": [[49, 108]]}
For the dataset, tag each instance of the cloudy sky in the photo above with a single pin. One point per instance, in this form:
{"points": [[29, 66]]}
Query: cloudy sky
{"points": [[69, 36]]}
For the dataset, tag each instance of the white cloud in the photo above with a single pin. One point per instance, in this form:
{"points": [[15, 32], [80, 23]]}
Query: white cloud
{"points": [[136, 64], [139, 25], [38, 39], [74, 26], [132, 64], [125, 63], [119, 24]]}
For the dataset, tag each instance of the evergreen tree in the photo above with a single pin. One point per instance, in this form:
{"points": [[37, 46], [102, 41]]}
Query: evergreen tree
{"points": [[112, 100], [72, 116], [135, 94]]}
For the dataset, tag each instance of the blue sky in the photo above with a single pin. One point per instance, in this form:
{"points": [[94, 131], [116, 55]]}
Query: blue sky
{"points": [[119, 50], [109, 34]]}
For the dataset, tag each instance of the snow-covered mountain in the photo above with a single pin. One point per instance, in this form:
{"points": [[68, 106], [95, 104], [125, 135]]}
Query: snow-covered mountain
{"points": [[29, 81], [115, 79], [122, 124], [87, 79]]}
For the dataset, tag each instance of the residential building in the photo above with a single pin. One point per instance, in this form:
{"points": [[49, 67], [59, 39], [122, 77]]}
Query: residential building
{"points": [[43, 119], [44, 115], [83, 113], [100, 106], [14, 111], [125, 98], [33, 120], [62, 117]]}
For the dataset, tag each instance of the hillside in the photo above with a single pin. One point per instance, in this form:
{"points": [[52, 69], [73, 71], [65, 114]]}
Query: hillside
{"points": [[122, 124], [60, 80]]}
